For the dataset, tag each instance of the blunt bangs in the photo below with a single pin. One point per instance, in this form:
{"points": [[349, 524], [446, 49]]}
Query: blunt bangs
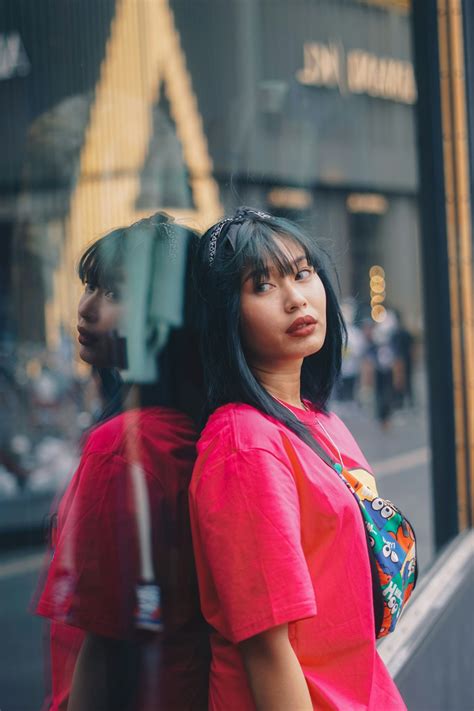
{"points": [[250, 249], [101, 264], [264, 248]]}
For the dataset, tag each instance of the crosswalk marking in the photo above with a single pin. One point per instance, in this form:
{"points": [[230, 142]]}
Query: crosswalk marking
{"points": [[20, 566]]}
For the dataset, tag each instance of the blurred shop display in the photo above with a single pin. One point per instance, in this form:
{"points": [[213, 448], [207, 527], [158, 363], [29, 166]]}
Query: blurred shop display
{"points": [[377, 372], [44, 408]]}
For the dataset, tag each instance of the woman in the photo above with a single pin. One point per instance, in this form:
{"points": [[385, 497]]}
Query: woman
{"points": [[280, 546], [126, 631]]}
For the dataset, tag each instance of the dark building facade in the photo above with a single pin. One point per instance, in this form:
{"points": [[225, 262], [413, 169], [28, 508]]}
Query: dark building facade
{"points": [[318, 123]]}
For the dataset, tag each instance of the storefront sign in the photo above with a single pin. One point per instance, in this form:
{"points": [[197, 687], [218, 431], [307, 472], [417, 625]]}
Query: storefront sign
{"points": [[290, 198], [13, 58], [357, 72], [368, 203]]}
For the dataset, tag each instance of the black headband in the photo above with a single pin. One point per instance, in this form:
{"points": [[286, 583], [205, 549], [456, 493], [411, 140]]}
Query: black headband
{"points": [[231, 233]]}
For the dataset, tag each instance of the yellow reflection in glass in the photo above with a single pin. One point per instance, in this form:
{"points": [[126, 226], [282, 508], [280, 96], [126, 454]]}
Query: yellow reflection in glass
{"points": [[379, 313], [377, 299]]}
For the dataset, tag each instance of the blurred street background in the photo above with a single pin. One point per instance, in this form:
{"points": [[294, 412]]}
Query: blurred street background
{"points": [[354, 118]]}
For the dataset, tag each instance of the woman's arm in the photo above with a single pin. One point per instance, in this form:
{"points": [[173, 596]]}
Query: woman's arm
{"points": [[274, 674], [105, 676], [89, 683]]}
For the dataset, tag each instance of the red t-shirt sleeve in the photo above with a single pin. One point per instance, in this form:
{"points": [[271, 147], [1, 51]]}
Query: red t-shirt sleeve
{"points": [[92, 576], [246, 528]]}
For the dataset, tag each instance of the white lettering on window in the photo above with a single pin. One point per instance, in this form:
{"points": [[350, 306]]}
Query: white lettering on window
{"points": [[361, 73], [13, 58]]}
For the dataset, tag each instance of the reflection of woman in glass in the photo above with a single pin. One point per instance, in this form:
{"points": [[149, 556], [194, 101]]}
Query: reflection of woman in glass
{"points": [[126, 632], [281, 550]]}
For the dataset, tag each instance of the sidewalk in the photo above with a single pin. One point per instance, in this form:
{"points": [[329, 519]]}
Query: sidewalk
{"points": [[401, 460], [431, 652]]}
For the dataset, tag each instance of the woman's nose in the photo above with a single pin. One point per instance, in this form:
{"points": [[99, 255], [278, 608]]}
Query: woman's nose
{"points": [[87, 308], [295, 298]]}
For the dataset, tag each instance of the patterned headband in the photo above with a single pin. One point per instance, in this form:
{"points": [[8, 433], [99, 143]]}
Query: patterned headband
{"points": [[220, 226], [214, 236]]}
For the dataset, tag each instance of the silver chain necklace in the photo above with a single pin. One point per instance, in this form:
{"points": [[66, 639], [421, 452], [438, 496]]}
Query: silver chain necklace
{"points": [[318, 423]]}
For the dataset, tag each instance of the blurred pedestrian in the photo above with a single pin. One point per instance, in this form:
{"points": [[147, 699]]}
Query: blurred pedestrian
{"points": [[381, 354], [348, 384], [403, 342]]}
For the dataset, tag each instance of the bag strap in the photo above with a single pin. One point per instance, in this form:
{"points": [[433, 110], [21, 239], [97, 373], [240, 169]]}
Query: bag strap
{"points": [[325, 455], [377, 595]]}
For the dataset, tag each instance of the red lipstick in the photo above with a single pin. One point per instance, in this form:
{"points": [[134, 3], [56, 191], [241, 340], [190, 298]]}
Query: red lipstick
{"points": [[302, 326], [85, 338]]}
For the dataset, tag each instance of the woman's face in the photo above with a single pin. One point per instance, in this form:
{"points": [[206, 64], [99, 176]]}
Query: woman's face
{"points": [[98, 316], [283, 318]]}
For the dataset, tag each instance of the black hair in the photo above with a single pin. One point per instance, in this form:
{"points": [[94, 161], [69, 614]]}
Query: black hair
{"points": [[103, 265], [102, 262], [248, 241]]}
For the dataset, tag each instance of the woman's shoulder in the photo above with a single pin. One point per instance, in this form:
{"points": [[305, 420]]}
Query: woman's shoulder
{"points": [[105, 437], [238, 426], [153, 427]]}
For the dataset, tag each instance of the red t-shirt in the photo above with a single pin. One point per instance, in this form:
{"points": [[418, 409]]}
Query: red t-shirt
{"points": [[278, 538], [92, 577]]}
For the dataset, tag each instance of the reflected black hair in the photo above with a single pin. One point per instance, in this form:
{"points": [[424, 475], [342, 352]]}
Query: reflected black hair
{"points": [[248, 242], [102, 265], [102, 262]]}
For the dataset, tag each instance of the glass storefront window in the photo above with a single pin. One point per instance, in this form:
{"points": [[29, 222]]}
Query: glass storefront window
{"points": [[118, 109]]}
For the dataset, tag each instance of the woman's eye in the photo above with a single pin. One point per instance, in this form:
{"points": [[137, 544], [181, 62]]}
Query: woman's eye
{"points": [[304, 273], [111, 294], [89, 287], [263, 287]]}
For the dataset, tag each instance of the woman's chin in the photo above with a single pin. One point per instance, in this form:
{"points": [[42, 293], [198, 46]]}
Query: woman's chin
{"points": [[90, 356], [305, 346], [316, 349], [311, 347]]}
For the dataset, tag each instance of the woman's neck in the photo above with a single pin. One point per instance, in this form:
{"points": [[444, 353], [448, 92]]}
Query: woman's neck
{"points": [[282, 385]]}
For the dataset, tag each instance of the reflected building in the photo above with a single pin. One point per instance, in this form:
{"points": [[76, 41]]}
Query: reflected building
{"points": [[121, 109], [318, 124], [116, 133]]}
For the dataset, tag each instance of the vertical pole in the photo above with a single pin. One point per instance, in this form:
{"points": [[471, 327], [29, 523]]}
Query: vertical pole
{"points": [[434, 253], [446, 209], [468, 22]]}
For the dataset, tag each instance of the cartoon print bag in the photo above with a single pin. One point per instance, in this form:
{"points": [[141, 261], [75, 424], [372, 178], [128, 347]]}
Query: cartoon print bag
{"points": [[393, 545], [391, 541]]}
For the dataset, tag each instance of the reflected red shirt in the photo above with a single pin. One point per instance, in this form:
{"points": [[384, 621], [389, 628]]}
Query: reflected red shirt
{"points": [[279, 538], [92, 578]]}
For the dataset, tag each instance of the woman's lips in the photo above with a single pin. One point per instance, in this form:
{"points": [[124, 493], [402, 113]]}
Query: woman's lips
{"points": [[303, 331], [85, 341], [85, 338], [303, 326]]}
